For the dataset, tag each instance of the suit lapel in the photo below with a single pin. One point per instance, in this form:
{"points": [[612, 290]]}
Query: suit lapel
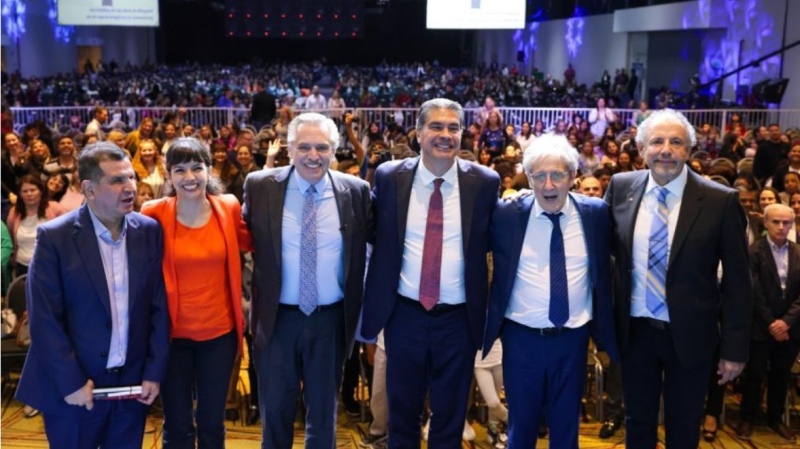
{"points": [[468, 190], [772, 266], [690, 206], [345, 207], [276, 195], [137, 257], [87, 248], [404, 180], [630, 209]]}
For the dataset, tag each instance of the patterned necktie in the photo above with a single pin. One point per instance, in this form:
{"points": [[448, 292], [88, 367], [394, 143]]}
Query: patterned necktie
{"points": [[559, 293], [430, 278], [308, 254], [656, 293]]}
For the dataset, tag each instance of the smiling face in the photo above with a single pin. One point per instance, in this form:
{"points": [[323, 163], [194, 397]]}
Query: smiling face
{"points": [[311, 152], [440, 136], [66, 147], [766, 198], [244, 156], [189, 179], [55, 184], [147, 149], [666, 150]]}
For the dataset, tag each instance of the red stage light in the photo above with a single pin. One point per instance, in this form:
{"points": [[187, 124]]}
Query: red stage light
{"points": [[230, 33], [354, 17], [248, 16], [248, 33], [319, 16], [319, 34], [230, 16], [336, 34], [301, 34], [300, 16], [266, 33], [354, 34], [266, 16], [336, 16], [283, 33], [283, 16]]}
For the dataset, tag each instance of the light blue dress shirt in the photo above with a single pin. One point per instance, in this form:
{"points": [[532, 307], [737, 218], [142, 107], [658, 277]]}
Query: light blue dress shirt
{"points": [[330, 253], [115, 264]]}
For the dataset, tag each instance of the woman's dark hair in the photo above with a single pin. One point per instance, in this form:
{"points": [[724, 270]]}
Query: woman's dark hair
{"points": [[530, 130], [189, 149], [42, 208], [64, 186]]}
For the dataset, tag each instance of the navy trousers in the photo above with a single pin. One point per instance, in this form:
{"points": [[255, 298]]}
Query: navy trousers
{"points": [[117, 424], [543, 374], [425, 351]]}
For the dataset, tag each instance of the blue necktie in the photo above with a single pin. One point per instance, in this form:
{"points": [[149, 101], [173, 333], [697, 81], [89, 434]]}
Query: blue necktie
{"points": [[656, 293], [308, 254], [559, 293]]}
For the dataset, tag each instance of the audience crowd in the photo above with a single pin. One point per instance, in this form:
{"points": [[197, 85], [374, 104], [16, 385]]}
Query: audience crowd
{"points": [[39, 167]]}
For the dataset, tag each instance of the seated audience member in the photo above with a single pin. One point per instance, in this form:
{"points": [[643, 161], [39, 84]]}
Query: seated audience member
{"points": [[790, 164], [776, 334], [66, 160], [223, 170], [603, 175], [32, 209], [57, 186], [588, 161], [144, 193], [610, 157], [732, 148], [624, 162], [492, 134], [117, 137], [148, 163], [791, 185], [590, 186], [525, 136]]}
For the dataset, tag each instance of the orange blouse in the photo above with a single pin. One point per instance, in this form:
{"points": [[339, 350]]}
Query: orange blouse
{"points": [[205, 310]]}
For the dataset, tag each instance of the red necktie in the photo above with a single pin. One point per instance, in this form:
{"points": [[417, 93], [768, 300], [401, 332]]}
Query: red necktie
{"points": [[430, 278]]}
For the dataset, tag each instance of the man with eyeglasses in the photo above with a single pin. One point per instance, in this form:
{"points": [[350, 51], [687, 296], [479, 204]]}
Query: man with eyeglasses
{"points": [[427, 283], [671, 230], [551, 290]]}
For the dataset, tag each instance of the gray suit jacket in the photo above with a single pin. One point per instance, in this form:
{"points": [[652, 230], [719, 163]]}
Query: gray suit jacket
{"points": [[264, 194]]}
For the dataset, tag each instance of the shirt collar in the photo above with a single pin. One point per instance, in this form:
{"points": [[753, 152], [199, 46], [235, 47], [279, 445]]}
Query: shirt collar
{"points": [[675, 187], [774, 246], [427, 177], [303, 185], [538, 211], [102, 232]]}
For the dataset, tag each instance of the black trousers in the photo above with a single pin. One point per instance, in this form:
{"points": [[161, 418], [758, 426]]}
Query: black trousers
{"points": [[780, 357]]}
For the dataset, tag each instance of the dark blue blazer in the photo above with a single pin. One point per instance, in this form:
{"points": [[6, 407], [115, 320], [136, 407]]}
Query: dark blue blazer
{"points": [[478, 187], [509, 222], [70, 314]]}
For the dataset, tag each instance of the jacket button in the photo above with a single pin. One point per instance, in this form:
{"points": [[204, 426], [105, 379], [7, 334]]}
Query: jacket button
{"points": [[104, 354]]}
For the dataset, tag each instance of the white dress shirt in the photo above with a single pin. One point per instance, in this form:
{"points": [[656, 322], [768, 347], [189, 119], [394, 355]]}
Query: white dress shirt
{"points": [[115, 265], [330, 254], [529, 303], [451, 289], [641, 239]]}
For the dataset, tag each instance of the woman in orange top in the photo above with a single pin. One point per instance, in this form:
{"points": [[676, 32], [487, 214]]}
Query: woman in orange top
{"points": [[203, 234]]}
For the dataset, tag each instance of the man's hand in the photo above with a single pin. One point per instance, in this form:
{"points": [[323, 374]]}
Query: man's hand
{"points": [[149, 392], [82, 397], [779, 330], [729, 371]]}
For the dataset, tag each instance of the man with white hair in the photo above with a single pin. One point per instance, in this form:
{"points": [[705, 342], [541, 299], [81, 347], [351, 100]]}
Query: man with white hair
{"points": [[551, 290], [672, 229], [308, 227], [775, 266]]}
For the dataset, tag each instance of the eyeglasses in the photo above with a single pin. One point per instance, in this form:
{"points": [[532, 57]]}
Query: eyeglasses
{"points": [[555, 176]]}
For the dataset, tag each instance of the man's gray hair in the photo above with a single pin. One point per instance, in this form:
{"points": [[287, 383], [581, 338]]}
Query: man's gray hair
{"points": [[661, 116], [313, 118], [438, 103], [549, 146], [776, 207]]}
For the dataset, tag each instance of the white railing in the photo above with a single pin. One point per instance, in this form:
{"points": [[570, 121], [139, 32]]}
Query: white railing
{"points": [[77, 117]]}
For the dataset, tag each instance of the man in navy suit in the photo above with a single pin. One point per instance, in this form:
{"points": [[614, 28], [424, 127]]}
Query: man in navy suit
{"points": [[427, 283], [97, 310], [672, 229], [551, 289]]}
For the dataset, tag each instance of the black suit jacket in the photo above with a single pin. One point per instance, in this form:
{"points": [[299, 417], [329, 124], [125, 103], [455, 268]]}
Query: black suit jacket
{"points": [[264, 194], [393, 181], [710, 230], [263, 108], [770, 302]]}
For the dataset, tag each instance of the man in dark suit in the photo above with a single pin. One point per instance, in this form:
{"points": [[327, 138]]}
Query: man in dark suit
{"points": [[672, 229], [309, 228], [551, 288], [263, 109], [95, 322], [428, 280], [775, 266]]}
